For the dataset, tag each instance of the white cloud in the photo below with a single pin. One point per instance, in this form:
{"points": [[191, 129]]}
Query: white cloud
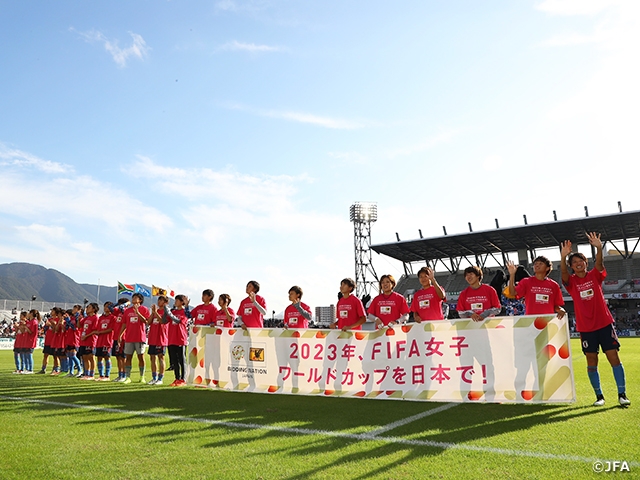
{"points": [[571, 39], [228, 203], [302, 117], [18, 158], [248, 47], [138, 48]]}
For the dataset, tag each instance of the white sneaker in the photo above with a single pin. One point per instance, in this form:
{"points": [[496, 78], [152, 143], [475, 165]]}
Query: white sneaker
{"points": [[599, 401], [158, 382], [152, 382], [624, 401]]}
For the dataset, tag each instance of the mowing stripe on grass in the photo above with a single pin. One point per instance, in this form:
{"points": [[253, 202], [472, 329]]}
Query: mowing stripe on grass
{"points": [[327, 433], [413, 418]]}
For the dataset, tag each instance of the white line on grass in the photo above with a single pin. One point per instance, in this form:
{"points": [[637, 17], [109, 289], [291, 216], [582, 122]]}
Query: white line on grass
{"points": [[413, 418], [327, 433]]}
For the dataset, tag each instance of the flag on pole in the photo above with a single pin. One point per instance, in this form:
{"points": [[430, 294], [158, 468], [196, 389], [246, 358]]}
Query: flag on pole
{"points": [[157, 291], [172, 294], [125, 289], [143, 291]]}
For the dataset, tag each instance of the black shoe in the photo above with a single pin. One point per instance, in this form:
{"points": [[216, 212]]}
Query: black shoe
{"points": [[624, 401], [170, 369], [599, 401]]}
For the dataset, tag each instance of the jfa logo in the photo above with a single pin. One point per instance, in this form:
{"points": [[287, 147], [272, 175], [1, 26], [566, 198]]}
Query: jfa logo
{"points": [[614, 466]]}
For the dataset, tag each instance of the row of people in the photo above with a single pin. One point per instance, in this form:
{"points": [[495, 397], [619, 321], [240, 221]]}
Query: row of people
{"points": [[478, 301]]}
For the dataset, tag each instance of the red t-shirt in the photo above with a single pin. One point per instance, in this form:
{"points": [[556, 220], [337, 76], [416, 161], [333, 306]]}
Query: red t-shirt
{"points": [[88, 325], [591, 309], [294, 319], [178, 331], [427, 304], [480, 299], [105, 322], [135, 328], [117, 323], [48, 335], [71, 336], [57, 340], [30, 340], [348, 311], [222, 320], [158, 331], [18, 342], [540, 296], [204, 314], [251, 317], [388, 308]]}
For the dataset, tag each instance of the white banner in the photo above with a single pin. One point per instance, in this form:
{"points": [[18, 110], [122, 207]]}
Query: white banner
{"points": [[6, 343], [506, 359]]}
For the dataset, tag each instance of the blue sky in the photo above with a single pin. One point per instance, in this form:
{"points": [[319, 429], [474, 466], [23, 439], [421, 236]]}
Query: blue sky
{"points": [[203, 144]]}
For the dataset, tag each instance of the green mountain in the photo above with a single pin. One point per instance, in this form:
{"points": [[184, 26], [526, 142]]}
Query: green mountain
{"points": [[21, 281]]}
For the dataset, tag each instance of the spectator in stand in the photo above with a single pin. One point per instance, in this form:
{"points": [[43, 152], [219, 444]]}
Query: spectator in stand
{"points": [[158, 339], [477, 301], [593, 319], [253, 308], [226, 315], [427, 302], [177, 337], [298, 314], [388, 308], [350, 314]]}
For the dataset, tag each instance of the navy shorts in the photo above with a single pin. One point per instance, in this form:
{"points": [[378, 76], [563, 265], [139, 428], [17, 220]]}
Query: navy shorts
{"points": [[156, 350], [71, 348], [82, 351], [59, 352], [27, 350], [103, 352], [48, 350], [117, 350], [606, 338]]}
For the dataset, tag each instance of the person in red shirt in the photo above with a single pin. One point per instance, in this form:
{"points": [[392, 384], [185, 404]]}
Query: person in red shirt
{"points": [[30, 339], [388, 308], [117, 349], [350, 314], [133, 334], [253, 308], [541, 294], [18, 354], [593, 318], [72, 339], [48, 337], [158, 338], [298, 314], [177, 337], [206, 313], [477, 301], [427, 302], [104, 331], [225, 315], [88, 339], [57, 342]]}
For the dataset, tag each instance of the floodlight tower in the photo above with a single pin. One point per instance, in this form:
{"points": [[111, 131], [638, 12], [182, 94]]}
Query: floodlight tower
{"points": [[363, 215]]}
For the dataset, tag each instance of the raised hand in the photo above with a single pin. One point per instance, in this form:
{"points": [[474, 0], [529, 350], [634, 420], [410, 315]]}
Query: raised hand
{"points": [[594, 239], [565, 248], [511, 267]]}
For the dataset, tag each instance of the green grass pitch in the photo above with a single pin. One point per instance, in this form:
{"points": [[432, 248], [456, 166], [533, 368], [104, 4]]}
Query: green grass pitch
{"points": [[58, 428]]}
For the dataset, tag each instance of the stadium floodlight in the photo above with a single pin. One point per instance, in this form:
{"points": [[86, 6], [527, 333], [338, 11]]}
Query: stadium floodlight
{"points": [[363, 214]]}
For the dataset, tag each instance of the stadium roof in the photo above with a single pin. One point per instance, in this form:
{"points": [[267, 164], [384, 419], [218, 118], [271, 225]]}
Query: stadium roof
{"points": [[613, 227]]}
